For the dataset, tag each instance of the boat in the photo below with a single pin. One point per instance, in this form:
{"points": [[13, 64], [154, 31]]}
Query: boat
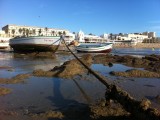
{"points": [[94, 47], [35, 43]]}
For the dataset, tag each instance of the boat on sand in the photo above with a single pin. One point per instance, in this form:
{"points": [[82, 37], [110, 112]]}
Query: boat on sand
{"points": [[35, 44]]}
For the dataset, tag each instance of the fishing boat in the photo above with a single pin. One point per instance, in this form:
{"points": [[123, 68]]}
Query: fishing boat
{"points": [[35, 43], [94, 47]]}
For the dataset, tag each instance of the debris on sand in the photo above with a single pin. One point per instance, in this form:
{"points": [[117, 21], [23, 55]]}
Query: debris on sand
{"points": [[4, 91], [95, 111], [17, 79], [35, 54], [136, 73], [100, 111], [49, 115], [67, 70]]}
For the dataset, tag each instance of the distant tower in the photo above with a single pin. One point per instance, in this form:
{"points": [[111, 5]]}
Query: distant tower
{"points": [[80, 36]]}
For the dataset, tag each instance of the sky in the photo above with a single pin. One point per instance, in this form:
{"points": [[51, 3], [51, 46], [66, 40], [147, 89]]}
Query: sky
{"points": [[90, 16]]}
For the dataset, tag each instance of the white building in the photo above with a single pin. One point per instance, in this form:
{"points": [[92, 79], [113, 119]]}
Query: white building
{"points": [[22, 30], [80, 36], [150, 34], [69, 37]]}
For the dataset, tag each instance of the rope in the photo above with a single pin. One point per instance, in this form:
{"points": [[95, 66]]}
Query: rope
{"points": [[115, 93], [100, 78]]}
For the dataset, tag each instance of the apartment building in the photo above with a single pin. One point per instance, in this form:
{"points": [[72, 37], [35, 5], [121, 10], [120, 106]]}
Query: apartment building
{"points": [[150, 34], [22, 30]]}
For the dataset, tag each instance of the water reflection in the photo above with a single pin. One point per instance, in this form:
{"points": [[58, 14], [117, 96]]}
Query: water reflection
{"points": [[135, 51]]}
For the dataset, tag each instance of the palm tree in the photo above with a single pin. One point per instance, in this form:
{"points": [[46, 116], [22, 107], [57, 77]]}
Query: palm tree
{"points": [[30, 32], [64, 32], [120, 34], [40, 31], [53, 32], [13, 32], [24, 31], [27, 32], [59, 33], [90, 34], [111, 35], [33, 31], [46, 29], [20, 30]]}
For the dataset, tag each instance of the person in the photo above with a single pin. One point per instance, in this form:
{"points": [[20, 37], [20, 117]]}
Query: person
{"points": [[153, 49]]}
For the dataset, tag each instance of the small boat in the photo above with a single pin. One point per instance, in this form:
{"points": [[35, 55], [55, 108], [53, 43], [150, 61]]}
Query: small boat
{"points": [[94, 47], [35, 43]]}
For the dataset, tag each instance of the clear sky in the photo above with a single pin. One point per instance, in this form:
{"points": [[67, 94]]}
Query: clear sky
{"points": [[90, 16]]}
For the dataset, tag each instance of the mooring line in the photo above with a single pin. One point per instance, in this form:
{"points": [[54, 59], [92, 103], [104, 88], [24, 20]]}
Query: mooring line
{"points": [[130, 104], [101, 79]]}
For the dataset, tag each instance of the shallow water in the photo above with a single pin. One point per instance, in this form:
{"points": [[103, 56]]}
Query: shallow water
{"points": [[136, 51], [40, 94], [139, 88]]}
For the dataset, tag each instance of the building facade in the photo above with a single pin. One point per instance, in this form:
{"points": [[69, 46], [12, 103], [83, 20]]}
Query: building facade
{"points": [[22, 30]]}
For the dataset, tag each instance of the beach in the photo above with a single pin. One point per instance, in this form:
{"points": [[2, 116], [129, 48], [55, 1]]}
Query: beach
{"points": [[138, 45], [59, 88]]}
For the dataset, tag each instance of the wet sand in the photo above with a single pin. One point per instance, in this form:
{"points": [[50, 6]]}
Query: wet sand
{"points": [[75, 98]]}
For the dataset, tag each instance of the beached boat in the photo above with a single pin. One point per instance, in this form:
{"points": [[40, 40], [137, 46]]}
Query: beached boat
{"points": [[94, 47], [35, 43]]}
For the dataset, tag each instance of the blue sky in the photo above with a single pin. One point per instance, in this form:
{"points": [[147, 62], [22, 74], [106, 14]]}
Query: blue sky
{"points": [[90, 16]]}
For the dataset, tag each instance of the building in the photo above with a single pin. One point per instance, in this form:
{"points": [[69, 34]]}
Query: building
{"points": [[81, 37], [22, 30], [150, 34]]}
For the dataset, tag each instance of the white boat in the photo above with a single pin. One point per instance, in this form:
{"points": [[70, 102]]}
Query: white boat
{"points": [[94, 47], [35, 43]]}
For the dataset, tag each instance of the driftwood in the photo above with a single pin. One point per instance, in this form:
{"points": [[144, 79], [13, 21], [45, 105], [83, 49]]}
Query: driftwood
{"points": [[138, 109]]}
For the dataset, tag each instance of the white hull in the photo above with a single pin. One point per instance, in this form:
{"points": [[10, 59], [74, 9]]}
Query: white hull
{"points": [[95, 48], [40, 43]]}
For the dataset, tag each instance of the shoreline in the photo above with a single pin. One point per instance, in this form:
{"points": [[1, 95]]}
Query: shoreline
{"points": [[138, 45]]}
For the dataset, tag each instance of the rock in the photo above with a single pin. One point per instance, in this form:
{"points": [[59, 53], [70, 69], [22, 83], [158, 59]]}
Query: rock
{"points": [[136, 73], [68, 69]]}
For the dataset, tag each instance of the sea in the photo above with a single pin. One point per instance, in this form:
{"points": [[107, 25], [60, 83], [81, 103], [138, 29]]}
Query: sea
{"points": [[38, 94]]}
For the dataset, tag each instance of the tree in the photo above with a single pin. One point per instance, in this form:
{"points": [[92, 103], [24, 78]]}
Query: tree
{"points": [[111, 35], [90, 34], [53, 32], [30, 32], [120, 34], [39, 31], [20, 30], [59, 33], [27, 32], [46, 29], [64, 32], [24, 31], [33, 31], [13, 32]]}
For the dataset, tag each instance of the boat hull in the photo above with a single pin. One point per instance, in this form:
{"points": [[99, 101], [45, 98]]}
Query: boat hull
{"points": [[32, 44], [94, 48]]}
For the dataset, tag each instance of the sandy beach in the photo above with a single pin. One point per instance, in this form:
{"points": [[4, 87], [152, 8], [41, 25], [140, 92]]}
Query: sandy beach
{"points": [[138, 45]]}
